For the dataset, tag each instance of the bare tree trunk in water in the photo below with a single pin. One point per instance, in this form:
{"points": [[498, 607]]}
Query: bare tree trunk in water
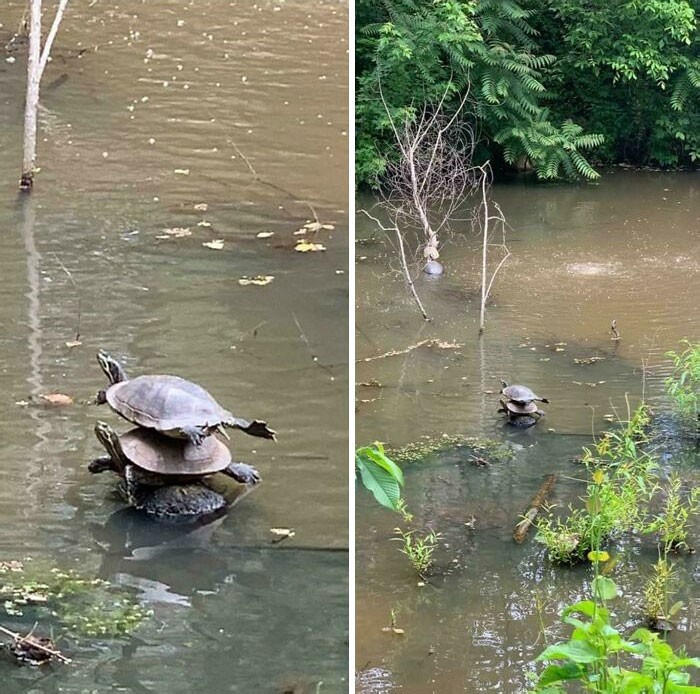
{"points": [[31, 105], [36, 63]]}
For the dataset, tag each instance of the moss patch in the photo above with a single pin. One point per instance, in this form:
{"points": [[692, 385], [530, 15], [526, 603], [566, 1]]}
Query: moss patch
{"points": [[418, 451], [81, 606]]}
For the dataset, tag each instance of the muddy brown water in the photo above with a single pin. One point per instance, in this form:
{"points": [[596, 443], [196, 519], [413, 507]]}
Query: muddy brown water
{"points": [[625, 249], [226, 119]]}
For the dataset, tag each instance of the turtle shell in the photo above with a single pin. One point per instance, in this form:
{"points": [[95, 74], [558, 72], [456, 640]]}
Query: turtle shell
{"points": [[519, 408], [154, 452], [165, 403], [521, 394]]}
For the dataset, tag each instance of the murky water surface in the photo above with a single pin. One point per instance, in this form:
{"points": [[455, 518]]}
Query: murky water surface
{"points": [[224, 120], [627, 249]]}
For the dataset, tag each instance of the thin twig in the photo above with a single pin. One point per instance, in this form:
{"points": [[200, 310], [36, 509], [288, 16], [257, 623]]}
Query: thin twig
{"points": [[77, 291], [314, 358], [31, 642], [429, 342]]}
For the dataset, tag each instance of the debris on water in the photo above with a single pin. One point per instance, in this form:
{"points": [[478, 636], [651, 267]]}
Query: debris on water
{"points": [[304, 246], [282, 534], [313, 227], [60, 399], [264, 234], [201, 207], [589, 360], [174, 232], [73, 343], [259, 280], [216, 244], [204, 223], [33, 650], [182, 172]]}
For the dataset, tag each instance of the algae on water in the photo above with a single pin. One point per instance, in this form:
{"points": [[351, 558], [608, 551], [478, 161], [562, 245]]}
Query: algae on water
{"points": [[78, 605], [417, 451]]}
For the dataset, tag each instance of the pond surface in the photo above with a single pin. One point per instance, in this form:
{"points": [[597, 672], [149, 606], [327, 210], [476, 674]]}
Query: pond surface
{"points": [[166, 126], [627, 249]]}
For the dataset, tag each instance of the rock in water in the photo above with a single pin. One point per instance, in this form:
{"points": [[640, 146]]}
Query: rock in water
{"points": [[432, 267]]}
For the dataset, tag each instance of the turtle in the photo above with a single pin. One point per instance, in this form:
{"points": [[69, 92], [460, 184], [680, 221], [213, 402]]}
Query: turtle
{"points": [[170, 404], [520, 394], [147, 459], [516, 409]]}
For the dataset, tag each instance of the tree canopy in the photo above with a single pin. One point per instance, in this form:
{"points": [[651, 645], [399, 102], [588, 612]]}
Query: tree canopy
{"points": [[557, 85]]}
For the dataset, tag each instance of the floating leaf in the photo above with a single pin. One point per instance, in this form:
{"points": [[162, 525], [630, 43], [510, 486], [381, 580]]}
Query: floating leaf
{"points": [[182, 172], [307, 246], [57, 399], [264, 234], [216, 244], [73, 343], [201, 207], [259, 280], [283, 532], [175, 232], [204, 223], [316, 226]]}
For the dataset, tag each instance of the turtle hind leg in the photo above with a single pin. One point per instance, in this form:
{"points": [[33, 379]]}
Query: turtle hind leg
{"points": [[243, 473], [254, 428], [194, 434]]}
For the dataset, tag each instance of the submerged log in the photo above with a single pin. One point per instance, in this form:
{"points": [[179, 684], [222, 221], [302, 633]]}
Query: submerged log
{"points": [[536, 503]]}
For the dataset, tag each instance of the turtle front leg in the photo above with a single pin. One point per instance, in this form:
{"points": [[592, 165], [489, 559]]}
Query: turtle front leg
{"points": [[135, 493], [243, 473], [102, 464], [254, 428], [194, 434]]}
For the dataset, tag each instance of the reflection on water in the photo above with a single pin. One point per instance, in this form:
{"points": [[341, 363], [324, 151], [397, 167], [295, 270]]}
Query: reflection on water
{"points": [[626, 249], [164, 127]]}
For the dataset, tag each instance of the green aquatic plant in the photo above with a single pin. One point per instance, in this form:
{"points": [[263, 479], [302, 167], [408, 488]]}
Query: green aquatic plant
{"points": [[419, 549], [658, 592], [672, 523], [80, 605], [683, 385], [417, 451], [380, 475]]}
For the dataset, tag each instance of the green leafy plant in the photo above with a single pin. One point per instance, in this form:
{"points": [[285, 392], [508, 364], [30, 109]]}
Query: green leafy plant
{"points": [[658, 591], [683, 385], [672, 523], [418, 549], [380, 475]]}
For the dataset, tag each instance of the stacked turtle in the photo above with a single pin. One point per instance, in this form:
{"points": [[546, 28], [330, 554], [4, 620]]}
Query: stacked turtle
{"points": [[519, 404], [164, 461]]}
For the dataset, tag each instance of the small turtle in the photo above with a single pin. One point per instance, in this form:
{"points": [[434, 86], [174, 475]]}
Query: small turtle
{"points": [[520, 394], [170, 404], [146, 459], [510, 407]]}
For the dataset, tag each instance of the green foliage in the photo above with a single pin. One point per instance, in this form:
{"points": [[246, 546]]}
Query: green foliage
{"points": [[417, 451], [418, 549], [82, 606], [380, 475], [683, 385], [672, 523], [657, 592], [602, 660], [629, 70], [419, 50], [622, 483]]}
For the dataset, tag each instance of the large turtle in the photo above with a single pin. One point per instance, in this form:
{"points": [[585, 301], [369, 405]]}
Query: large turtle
{"points": [[520, 394], [170, 404], [148, 460]]}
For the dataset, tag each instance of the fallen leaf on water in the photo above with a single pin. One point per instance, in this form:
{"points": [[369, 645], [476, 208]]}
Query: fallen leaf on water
{"points": [[260, 280], [316, 226], [264, 234], [201, 207], [175, 232], [204, 223], [73, 343], [21, 403], [306, 246], [398, 631], [283, 532], [57, 399], [216, 244], [182, 172]]}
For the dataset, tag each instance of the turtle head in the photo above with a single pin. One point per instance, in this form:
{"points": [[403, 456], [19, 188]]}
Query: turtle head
{"points": [[112, 369], [504, 384], [105, 434]]}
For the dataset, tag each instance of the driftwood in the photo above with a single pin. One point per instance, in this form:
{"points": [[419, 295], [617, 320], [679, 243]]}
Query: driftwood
{"points": [[536, 503], [34, 642]]}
